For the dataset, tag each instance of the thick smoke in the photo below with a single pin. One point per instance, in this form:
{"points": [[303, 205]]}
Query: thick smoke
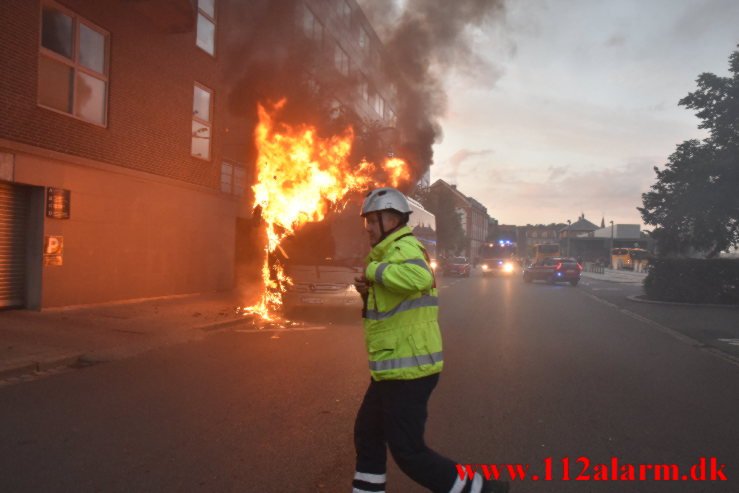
{"points": [[425, 40]]}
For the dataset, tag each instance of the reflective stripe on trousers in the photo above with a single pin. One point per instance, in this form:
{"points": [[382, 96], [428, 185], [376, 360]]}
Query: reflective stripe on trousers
{"points": [[408, 362], [459, 485], [368, 483]]}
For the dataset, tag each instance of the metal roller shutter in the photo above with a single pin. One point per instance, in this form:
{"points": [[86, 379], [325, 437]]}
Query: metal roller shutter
{"points": [[14, 203]]}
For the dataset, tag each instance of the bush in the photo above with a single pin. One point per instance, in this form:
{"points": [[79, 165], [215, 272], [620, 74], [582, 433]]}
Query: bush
{"points": [[693, 280]]}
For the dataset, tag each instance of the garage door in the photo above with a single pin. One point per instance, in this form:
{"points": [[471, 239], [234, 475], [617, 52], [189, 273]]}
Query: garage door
{"points": [[14, 202]]}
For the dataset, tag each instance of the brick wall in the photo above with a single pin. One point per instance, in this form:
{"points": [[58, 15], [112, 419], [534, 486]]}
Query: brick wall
{"points": [[151, 75]]}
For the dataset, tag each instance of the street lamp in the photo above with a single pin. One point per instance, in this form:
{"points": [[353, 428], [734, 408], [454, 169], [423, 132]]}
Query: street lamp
{"points": [[611, 247]]}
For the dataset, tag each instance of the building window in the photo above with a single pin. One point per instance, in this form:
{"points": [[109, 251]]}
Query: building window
{"points": [[379, 105], [202, 121], [389, 115], [341, 60], [233, 179], [364, 89], [345, 10], [364, 41], [206, 27], [312, 26], [73, 66]]}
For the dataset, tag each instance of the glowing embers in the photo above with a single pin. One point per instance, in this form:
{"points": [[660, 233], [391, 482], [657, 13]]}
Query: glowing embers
{"points": [[300, 176]]}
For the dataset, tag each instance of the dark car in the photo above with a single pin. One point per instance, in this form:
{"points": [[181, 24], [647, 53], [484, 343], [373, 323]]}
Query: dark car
{"points": [[457, 266], [554, 270], [498, 266]]}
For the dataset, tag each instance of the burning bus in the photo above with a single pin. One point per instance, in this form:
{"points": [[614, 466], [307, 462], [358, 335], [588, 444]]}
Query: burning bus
{"points": [[323, 258]]}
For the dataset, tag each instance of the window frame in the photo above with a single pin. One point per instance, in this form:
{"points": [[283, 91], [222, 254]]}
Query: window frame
{"points": [[237, 178], [345, 11], [75, 64], [341, 60], [212, 20], [206, 123]]}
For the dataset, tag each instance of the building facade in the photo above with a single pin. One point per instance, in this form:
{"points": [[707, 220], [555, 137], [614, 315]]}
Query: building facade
{"points": [[124, 165], [474, 217]]}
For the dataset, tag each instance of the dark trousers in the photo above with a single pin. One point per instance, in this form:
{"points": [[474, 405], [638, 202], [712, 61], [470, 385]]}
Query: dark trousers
{"points": [[393, 413]]}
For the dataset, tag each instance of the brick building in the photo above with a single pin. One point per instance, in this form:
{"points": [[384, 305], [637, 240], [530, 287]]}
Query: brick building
{"points": [[124, 163], [474, 218]]}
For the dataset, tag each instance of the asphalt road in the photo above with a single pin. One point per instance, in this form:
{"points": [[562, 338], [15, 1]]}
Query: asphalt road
{"points": [[532, 372]]}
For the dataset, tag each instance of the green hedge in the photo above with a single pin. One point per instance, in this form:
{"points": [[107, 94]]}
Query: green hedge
{"points": [[693, 280]]}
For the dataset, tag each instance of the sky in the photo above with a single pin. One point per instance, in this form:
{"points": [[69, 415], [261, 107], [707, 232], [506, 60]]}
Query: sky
{"points": [[576, 103]]}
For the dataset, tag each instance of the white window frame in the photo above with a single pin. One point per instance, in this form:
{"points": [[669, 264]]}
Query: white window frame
{"points": [[341, 60], [345, 10], [206, 123], [364, 41], [212, 20], [315, 31], [364, 89], [75, 63], [379, 105], [235, 184]]}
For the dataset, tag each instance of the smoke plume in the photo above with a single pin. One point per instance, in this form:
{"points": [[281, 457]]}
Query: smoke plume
{"points": [[426, 40]]}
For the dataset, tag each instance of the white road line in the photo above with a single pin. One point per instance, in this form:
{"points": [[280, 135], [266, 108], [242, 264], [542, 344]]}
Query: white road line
{"points": [[668, 331], [732, 342]]}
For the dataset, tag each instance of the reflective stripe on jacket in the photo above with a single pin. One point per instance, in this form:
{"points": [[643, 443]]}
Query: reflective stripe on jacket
{"points": [[401, 313]]}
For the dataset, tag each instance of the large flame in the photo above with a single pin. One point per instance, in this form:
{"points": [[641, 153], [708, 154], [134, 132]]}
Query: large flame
{"points": [[300, 177]]}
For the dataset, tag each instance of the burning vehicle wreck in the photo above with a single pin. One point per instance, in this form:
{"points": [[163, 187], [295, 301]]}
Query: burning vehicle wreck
{"points": [[323, 260]]}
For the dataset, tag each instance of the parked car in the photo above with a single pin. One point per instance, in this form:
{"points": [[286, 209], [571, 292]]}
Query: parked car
{"points": [[457, 266], [498, 266], [327, 286], [554, 270]]}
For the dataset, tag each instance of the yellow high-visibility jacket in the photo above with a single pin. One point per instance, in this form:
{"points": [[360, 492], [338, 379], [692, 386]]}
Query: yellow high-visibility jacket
{"points": [[401, 327]]}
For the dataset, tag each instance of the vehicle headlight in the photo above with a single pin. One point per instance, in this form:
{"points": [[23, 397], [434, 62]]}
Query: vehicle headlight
{"points": [[485, 266], [434, 265], [508, 267]]}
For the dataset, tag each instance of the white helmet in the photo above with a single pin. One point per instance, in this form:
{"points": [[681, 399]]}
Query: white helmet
{"points": [[386, 199]]}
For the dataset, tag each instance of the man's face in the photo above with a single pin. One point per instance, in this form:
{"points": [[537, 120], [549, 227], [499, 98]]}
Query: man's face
{"points": [[372, 225]]}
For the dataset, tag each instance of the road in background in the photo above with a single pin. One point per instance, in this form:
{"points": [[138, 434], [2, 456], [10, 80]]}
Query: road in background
{"points": [[532, 371]]}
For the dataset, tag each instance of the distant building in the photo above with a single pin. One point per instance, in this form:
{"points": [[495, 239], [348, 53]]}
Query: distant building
{"points": [[474, 217], [578, 228], [619, 232]]}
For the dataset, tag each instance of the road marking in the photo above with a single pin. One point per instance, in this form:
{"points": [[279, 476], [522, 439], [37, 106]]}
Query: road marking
{"points": [[607, 289], [668, 331], [733, 342]]}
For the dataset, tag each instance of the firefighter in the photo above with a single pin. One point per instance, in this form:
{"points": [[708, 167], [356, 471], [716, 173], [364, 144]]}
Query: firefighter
{"points": [[403, 342]]}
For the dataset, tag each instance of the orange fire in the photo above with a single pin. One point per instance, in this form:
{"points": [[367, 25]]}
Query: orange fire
{"points": [[300, 177]]}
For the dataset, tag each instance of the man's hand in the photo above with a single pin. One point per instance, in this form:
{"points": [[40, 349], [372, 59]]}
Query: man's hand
{"points": [[362, 284]]}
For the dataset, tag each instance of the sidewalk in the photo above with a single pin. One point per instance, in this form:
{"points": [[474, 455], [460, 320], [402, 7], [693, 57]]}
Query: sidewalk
{"points": [[33, 341], [621, 276]]}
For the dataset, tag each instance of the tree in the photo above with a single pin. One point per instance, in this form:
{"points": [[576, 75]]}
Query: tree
{"points": [[450, 235], [694, 205]]}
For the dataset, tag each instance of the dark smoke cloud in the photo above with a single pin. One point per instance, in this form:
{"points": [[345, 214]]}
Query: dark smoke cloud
{"points": [[426, 40]]}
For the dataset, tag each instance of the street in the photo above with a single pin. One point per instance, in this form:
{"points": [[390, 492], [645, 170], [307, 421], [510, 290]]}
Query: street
{"points": [[532, 372]]}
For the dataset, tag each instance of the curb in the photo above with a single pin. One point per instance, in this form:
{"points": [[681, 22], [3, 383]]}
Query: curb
{"points": [[639, 299], [611, 280], [27, 367]]}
